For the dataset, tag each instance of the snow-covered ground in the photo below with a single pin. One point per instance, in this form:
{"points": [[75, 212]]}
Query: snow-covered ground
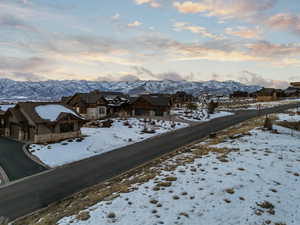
{"points": [[256, 184], [199, 115], [290, 116], [98, 141]]}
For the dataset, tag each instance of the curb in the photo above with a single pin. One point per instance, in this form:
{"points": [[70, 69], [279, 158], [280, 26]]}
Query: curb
{"points": [[4, 176], [33, 157]]}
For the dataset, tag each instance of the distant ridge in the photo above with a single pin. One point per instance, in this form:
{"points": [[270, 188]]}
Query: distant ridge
{"points": [[55, 89]]}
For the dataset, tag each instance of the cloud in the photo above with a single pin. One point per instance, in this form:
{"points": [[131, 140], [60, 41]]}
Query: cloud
{"points": [[26, 76], [285, 21], [8, 20], [267, 49], [136, 23], [27, 64], [129, 78], [250, 78], [143, 72], [225, 8], [180, 26], [152, 3], [244, 32], [116, 16]]}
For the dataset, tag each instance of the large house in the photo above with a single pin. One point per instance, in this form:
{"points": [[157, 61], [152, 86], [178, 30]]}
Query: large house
{"points": [[293, 90], [296, 84], [89, 105], [151, 105], [239, 94], [39, 122], [268, 94], [181, 98], [97, 105]]}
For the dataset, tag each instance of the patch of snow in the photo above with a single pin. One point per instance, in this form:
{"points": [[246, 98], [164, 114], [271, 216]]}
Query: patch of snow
{"points": [[290, 116], [265, 169], [52, 111], [199, 115], [99, 141]]}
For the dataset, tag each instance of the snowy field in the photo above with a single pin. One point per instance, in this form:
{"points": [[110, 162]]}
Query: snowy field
{"points": [[257, 183], [291, 116], [199, 115], [98, 141]]}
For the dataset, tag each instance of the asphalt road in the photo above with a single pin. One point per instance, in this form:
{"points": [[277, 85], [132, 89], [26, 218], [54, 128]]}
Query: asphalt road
{"points": [[14, 161], [36, 192]]}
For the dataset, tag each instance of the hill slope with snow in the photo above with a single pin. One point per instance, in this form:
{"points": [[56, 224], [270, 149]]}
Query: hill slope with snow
{"points": [[55, 89]]}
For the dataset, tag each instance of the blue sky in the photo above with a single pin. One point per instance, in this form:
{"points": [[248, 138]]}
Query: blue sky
{"points": [[253, 41]]}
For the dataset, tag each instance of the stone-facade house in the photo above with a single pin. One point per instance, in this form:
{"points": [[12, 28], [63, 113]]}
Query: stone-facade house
{"points": [[295, 84], [268, 94], [293, 91], [91, 106], [98, 105], [181, 98], [39, 122], [151, 105], [239, 94]]}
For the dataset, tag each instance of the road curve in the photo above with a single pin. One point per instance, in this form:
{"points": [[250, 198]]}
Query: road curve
{"points": [[14, 161], [30, 194]]}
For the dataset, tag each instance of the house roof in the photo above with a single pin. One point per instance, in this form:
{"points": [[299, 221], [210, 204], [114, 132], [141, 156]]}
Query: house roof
{"points": [[291, 90], [295, 84], [156, 100], [28, 111], [266, 91], [94, 96]]}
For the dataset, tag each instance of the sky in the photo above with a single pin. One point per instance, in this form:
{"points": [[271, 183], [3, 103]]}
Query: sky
{"points": [[251, 41]]}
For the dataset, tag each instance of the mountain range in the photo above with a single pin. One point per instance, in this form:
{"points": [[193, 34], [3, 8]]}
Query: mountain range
{"points": [[55, 89]]}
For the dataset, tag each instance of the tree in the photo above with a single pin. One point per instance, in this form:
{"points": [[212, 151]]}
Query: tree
{"points": [[192, 106], [212, 106]]}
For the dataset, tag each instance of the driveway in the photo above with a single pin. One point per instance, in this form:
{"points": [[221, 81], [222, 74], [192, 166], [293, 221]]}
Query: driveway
{"points": [[14, 161]]}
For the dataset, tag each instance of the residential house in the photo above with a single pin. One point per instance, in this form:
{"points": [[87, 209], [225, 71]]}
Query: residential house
{"points": [[42, 122], [91, 105], [268, 94], [295, 84], [239, 94], [97, 104], [292, 92], [181, 98], [151, 105]]}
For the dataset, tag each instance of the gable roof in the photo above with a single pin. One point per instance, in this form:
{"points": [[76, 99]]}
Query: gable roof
{"points": [[296, 84], [156, 100], [25, 111], [93, 97]]}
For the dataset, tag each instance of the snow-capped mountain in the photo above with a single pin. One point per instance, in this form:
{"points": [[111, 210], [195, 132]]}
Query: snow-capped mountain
{"points": [[55, 89]]}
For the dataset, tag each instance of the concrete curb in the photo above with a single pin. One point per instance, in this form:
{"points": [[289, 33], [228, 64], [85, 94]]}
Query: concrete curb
{"points": [[33, 157], [3, 176]]}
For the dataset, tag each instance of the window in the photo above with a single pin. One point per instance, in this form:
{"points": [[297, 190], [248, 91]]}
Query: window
{"points": [[66, 127], [102, 110]]}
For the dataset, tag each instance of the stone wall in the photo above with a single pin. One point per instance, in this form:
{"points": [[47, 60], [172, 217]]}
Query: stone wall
{"points": [[55, 137]]}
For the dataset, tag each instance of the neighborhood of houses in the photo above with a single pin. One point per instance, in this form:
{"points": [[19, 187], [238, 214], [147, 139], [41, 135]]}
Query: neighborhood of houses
{"points": [[48, 122]]}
